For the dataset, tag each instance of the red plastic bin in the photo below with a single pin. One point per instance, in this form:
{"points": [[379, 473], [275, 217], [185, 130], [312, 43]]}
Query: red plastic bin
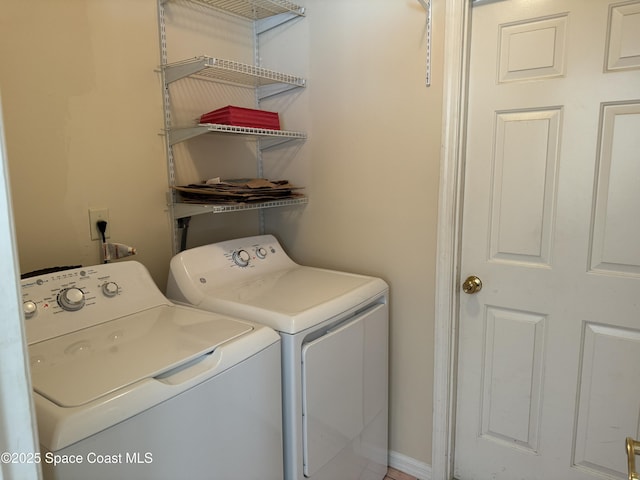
{"points": [[243, 117]]}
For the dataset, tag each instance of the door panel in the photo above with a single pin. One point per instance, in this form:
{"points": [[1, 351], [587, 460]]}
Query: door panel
{"points": [[518, 336], [607, 402], [623, 40], [615, 241], [524, 165], [548, 377], [532, 49]]}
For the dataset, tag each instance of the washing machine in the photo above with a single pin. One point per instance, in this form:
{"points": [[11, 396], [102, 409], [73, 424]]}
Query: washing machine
{"points": [[334, 332], [128, 385]]}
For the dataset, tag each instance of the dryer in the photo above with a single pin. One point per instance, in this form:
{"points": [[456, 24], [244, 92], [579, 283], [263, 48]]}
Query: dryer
{"points": [[127, 384], [334, 332]]}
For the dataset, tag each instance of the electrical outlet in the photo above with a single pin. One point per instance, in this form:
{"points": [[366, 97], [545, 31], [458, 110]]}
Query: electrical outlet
{"points": [[96, 214]]}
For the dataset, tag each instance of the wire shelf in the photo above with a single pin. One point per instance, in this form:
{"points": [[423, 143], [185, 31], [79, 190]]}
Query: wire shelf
{"points": [[181, 210], [218, 69], [265, 15], [254, 9], [270, 138]]}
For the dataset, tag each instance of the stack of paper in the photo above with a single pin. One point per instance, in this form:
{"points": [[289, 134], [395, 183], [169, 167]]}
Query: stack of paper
{"points": [[238, 191]]}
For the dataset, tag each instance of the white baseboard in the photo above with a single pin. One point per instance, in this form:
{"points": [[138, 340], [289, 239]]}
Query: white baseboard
{"points": [[409, 465]]}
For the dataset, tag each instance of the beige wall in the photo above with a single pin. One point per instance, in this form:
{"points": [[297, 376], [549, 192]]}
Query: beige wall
{"points": [[83, 113], [371, 168]]}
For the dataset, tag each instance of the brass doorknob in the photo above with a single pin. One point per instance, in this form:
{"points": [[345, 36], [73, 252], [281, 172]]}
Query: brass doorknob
{"points": [[633, 449], [472, 285]]}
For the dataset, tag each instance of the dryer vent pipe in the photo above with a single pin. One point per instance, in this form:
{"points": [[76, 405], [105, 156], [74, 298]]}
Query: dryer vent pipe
{"points": [[114, 251]]}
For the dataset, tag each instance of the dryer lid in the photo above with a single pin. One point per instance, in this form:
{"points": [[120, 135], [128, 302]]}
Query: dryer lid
{"points": [[72, 370], [294, 299]]}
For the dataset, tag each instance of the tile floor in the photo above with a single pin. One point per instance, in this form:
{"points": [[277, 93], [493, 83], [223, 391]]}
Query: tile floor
{"points": [[393, 474]]}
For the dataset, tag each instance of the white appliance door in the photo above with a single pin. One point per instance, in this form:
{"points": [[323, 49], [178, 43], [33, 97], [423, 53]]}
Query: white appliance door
{"points": [[75, 369], [337, 382], [294, 299]]}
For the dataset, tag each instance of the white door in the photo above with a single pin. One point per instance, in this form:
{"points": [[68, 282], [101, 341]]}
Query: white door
{"points": [[549, 348]]}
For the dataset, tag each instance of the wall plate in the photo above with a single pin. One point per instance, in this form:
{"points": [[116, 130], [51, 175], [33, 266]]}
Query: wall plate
{"points": [[96, 214]]}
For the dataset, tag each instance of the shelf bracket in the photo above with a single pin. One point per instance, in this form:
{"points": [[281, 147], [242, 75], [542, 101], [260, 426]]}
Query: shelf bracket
{"points": [[181, 134], [176, 72], [267, 143], [426, 4], [265, 24], [266, 91]]}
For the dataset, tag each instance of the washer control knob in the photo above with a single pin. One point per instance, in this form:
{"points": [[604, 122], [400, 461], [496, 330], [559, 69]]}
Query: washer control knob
{"points": [[29, 308], [261, 252], [241, 258], [71, 299], [110, 289]]}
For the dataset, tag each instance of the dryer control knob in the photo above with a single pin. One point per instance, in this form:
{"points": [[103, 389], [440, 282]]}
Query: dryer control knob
{"points": [[261, 252], [71, 299], [110, 289], [241, 258], [29, 308]]}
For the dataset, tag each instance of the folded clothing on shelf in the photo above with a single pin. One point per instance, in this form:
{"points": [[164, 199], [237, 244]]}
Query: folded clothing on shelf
{"points": [[243, 117], [238, 191]]}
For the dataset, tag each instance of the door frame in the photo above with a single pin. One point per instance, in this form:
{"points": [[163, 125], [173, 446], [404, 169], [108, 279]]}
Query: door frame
{"points": [[17, 411], [452, 162]]}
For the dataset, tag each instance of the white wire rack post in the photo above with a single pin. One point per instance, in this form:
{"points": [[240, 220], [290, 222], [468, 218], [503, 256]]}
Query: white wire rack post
{"points": [[427, 6]]}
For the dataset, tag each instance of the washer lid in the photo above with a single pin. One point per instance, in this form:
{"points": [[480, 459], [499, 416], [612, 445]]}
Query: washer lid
{"points": [[74, 369], [293, 299]]}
